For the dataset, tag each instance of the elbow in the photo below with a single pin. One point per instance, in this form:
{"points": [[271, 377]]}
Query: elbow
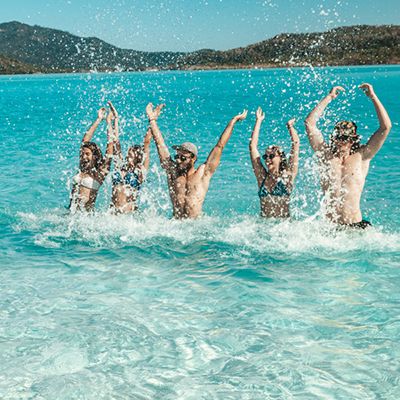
{"points": [[386, 128], [218, 148]]}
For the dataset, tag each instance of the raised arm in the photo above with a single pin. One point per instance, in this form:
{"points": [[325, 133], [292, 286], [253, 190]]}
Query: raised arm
{"points": [[146, 149], [106, 166], [376, 141], [114, 136], [214, 157], [162, 149], [258, 168], [294, 152], [314, 134], [101, 114]]}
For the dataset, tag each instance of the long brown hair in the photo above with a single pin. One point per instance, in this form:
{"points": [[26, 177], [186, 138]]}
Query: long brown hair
{"points": [[98, 158]]}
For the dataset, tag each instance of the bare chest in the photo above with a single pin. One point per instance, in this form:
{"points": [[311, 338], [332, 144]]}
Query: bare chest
{"points": [[184, 186], [346, 171]]}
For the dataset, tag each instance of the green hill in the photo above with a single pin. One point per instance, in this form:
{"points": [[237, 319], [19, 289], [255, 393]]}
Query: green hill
{"points": [[52, 50], [60, 51], [354, 45], [9, 66]]}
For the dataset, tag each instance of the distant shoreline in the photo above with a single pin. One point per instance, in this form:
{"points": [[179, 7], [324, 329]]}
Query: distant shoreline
{"points": [[26, 49], [195, 69]]}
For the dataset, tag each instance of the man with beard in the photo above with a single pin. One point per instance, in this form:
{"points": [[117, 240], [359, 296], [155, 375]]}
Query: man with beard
{"points": [[187, 185], [344, 161], [93, 167]]}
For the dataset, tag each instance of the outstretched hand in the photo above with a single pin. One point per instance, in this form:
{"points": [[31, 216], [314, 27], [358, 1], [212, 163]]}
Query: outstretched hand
{"points": [[113, 110], [367, 89], [335, 91], [153, 113], [102, 113], [260, 115], [290, 123], [240, 117], [158, 110]]}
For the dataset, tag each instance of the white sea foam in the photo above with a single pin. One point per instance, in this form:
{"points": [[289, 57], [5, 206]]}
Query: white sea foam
{"points": [[311, 235]]}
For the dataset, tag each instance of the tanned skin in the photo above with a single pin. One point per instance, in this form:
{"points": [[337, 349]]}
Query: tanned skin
{"points": [[137, 161], [274, 206], [343, 171], [83, 198], [187, 184]]}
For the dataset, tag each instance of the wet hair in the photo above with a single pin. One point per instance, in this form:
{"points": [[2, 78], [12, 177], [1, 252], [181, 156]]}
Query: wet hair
{"points": [[284, 164], [98, 159], [348, 128], [136, 147]]}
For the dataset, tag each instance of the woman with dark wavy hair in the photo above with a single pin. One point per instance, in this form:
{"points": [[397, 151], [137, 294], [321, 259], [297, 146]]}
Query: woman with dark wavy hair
{"points": [[93, 167], [276, 180]]}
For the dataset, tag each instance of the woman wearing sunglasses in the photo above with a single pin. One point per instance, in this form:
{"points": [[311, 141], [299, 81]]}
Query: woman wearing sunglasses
{"points": [[276, 180]]}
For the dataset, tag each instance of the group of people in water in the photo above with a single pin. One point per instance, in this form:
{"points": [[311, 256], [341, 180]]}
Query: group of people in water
{"points": [[343, 161]]}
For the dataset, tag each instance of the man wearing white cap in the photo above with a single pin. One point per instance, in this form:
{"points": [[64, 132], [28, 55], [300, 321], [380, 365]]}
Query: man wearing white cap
{"points": [[187, 185]]}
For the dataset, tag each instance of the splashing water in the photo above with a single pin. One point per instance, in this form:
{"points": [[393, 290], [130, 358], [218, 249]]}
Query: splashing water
{"points": [[227, 306]]}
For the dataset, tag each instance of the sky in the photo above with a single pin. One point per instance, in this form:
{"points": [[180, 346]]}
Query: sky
{"points": [[187, 25]]}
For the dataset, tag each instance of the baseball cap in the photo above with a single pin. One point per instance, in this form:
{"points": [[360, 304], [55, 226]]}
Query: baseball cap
{"points": [[187, 146]]}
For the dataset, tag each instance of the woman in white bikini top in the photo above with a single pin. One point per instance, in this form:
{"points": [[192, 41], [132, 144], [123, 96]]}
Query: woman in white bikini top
{"points": [[93, 167]]}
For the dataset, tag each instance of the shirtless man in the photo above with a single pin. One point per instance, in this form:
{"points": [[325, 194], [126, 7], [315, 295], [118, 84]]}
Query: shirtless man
{"points": [[187, 185], [344, 161]]}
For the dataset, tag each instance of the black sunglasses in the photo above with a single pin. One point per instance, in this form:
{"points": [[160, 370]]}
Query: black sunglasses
{"points": [[345, 138], [182, 157], [271, 156]]}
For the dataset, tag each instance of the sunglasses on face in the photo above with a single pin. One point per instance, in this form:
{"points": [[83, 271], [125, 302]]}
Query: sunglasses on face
{"points": [[345, 138], [270, 156], [182, 157]]}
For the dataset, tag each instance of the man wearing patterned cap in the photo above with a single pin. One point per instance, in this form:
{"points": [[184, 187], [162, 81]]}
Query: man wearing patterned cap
{"points": [[188, 185], [344, 161]]}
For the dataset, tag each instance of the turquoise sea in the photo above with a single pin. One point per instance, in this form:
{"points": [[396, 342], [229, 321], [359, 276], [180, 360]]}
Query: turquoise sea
{"points": [[226, 307]]}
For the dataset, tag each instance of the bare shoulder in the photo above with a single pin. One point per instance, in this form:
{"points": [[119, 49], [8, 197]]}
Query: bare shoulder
{"points": [[362, 150], [200, 171]]}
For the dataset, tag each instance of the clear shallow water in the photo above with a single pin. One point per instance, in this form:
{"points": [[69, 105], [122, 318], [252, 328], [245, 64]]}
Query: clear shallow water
{"points": [[227, 307]]}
